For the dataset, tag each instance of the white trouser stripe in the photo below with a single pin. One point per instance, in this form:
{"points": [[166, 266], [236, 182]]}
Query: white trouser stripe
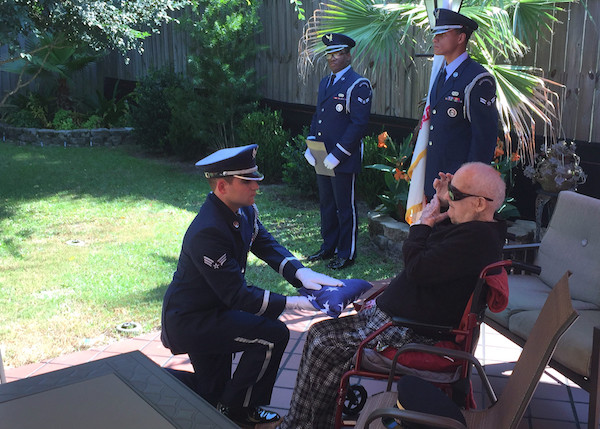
{"points": [[268, 355], [354, 220]]}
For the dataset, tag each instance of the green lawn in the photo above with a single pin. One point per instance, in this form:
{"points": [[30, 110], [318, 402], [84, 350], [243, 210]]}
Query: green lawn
{"points": [[89, 238]]}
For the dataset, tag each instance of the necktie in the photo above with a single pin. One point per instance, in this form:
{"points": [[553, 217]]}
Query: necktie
{"points": [[331, 79], [440, 81]]}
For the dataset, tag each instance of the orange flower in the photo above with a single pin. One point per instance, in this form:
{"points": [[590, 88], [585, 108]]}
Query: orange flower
{"points": [[499, 152], [400, 175], [381, 139], [515, 157]]}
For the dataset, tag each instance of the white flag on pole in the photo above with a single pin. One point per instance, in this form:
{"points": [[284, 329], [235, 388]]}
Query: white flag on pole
{"points": [[416, 171]]}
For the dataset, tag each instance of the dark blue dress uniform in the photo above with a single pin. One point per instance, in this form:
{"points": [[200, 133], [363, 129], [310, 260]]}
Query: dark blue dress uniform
{"points": [[340, 121], [210, 312], [464, 119]]}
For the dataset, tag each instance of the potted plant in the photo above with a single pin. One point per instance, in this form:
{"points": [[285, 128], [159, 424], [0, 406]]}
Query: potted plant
{"points": [[557, 168]]}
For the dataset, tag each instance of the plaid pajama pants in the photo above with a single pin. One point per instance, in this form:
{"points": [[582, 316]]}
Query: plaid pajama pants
{"points": [[327, 355]]}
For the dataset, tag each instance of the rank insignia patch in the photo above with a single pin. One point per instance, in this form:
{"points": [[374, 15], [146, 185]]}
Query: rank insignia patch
{"points": [[215, 265]]}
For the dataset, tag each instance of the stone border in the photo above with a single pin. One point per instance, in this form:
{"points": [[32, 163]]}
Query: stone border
{"points": [[77, 138], [387, 233]]}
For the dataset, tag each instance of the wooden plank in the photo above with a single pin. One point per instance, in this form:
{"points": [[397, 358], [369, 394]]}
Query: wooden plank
{"points": [[588, 75], [572, 69]]}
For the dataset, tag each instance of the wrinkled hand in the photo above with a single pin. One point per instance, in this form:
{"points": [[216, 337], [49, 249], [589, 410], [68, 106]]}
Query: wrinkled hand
{"points": [[431, 213], [309, 157], [330, 162], [314, 281], [441, 187], [298, 303]]}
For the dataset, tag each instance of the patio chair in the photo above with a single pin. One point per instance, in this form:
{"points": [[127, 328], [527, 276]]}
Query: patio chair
{"points": [[556, 316]]}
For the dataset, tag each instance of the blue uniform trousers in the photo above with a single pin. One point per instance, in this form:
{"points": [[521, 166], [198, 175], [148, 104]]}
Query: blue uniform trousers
{"points": [[262, 342], [339, 215]]}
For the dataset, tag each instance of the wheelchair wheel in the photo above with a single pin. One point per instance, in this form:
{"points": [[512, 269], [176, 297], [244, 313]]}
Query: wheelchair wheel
{"points": [[356, 397]]}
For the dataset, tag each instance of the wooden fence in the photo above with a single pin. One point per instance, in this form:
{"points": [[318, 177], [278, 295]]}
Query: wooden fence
{"points": [[570, 56]]}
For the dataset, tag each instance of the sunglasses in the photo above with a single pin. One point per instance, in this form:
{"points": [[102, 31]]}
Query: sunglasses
{"points": [[455, 195]]}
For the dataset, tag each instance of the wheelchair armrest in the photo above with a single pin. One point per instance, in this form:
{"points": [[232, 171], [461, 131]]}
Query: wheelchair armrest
{"points": [[440, 351], [415, 417], [422, 327]]}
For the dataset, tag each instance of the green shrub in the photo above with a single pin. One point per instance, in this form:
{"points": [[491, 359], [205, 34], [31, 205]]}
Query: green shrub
{"points": [[113, 111], [265, 128], [25, 119], [93, 121], [64, 120], [296, 171], [30, 110], [150, 111], [186, 138], [223, 45], [370, 183]]}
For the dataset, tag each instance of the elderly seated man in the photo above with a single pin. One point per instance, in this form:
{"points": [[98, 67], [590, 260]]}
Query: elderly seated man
{"points": [[443, 256]]}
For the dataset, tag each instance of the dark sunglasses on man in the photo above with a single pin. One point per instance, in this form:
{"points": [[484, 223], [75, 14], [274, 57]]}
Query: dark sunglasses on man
{"points": [[456, 195]]}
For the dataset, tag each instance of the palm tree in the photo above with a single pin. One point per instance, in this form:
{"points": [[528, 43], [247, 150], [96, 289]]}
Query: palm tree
{"points": [[506, 30], [53, 59]]}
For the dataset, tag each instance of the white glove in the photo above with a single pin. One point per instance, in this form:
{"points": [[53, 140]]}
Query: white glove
{"points": [[330, 162], [298, 303], [309, 157], [314, 281]]}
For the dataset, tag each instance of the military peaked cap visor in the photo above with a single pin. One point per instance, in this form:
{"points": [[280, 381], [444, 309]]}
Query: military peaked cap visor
{"points": [[446, 20], [335, 42], [237, 162]]}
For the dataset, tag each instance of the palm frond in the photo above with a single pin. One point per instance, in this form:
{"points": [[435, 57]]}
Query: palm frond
{"points": [[524, 98], [382, 34], [532, 16]]}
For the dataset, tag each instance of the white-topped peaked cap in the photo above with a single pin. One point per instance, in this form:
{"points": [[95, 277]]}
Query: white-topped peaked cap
{"points": [[446, 20], [238, 162]]}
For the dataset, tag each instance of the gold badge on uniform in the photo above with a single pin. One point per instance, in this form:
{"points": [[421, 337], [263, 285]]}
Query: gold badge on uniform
{"points": [[452, 112], [339, 107]]}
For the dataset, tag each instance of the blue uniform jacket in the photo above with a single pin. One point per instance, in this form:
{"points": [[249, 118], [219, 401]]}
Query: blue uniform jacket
{"points": [[341, 118], [210, 273], [464, 122]]}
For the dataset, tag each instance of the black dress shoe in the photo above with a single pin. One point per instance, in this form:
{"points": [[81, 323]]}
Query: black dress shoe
{"points": [[320, 255], [339, 263], [248, 417]]}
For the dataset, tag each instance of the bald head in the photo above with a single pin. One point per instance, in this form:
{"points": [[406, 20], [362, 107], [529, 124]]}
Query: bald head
{"points": [[483, 179], [484, 192]]}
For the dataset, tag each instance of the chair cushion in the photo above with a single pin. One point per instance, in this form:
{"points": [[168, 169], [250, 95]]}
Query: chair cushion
{"points": [[528, 293], [572, 242], [333, 300], [574, 349]]}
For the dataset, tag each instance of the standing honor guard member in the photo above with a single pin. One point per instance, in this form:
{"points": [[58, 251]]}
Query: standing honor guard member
{"points": [[464, 119], [210, 312], [340, 121]]}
